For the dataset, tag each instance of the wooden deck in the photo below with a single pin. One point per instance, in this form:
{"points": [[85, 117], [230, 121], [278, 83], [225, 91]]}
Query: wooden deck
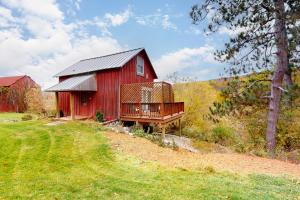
{"points": [[146, 119], [152, 112], [151, 102]]}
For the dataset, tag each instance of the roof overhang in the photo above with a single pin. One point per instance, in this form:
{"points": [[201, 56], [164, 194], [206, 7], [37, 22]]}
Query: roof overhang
{"points": [[76, 83]]}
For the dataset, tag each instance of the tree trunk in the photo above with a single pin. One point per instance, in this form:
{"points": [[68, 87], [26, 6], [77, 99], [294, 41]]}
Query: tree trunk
{"points": [[288, 78], [280, 70], [288, 83]]}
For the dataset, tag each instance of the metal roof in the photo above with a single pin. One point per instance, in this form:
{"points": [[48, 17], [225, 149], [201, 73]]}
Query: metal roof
{"points": [[8, 81], [100, 63], [76, 83]]}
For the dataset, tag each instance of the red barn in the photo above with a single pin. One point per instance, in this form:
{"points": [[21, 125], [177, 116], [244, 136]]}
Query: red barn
{"points": [[119, 85], [12, 93]]}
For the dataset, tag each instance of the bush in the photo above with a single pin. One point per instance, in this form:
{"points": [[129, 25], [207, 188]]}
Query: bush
{"points": [[222, 135], [34, 100], [27, 118], [139, 132], [99, 117], [209, 169], [194, 132]]}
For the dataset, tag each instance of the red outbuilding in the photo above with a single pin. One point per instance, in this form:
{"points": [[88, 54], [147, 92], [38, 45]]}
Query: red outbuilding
{"points": [[120, 86], [13, 91]]}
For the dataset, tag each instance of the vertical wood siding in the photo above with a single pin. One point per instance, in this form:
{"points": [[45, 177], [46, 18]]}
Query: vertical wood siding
{"points": [[19, 86]]}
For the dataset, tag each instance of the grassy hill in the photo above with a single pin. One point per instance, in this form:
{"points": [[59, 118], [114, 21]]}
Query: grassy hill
{"points": [[74, 161]]}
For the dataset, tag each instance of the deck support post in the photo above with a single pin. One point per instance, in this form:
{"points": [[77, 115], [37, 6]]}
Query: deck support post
{"points": [[57, 105], [72, 106], [163, 131], [179, 121]]}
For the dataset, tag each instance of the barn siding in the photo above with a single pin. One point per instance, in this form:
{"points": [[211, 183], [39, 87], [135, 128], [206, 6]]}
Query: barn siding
{"points": [[128, 72], [20, 86], [106, 99]]}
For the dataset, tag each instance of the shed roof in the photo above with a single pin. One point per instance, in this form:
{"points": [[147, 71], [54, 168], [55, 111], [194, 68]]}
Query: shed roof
{"points": [[76, 83], [100, 63], [8, 81]]}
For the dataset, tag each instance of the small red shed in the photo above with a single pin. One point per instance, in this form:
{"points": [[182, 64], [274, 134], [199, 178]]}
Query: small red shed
{"points": [[95, 84], [12, 92]]}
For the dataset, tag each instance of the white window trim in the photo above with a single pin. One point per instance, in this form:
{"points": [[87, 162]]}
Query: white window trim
{"points": [[137, 62]]}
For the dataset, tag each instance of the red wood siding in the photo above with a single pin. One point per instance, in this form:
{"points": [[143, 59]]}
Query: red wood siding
{"points": [[128, 72], [64, 103], [19, 87], [106, 99], [107, 95]]}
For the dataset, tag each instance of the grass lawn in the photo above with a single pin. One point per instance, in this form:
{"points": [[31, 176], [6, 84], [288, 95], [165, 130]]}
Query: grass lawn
{"points": [[74, 161]]}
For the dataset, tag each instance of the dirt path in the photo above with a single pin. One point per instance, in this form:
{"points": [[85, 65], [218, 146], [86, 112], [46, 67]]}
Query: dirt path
{"points": [[148, 151]]}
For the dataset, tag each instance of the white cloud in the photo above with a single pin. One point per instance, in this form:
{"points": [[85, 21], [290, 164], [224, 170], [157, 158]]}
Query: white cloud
{"points": [[118, 19], [5, 17], [6, 13], [167, 24], [156, 19], [40, 43], [44, 8], [184, 59], [77, 4]]}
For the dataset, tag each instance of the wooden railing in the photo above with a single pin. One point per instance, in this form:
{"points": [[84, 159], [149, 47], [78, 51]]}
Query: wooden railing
{"points": [[151, 110]]}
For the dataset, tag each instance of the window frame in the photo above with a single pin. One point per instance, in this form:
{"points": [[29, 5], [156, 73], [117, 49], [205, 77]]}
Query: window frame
{"points": [[138, 59]]}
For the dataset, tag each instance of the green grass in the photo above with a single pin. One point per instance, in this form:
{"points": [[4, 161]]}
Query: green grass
{"points": [[10, 116], [74, 161]]}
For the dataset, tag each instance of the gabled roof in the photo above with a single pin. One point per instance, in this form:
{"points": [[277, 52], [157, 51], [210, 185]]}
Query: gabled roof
{"points": [[8, 81], [116, 60], [76, 83]]}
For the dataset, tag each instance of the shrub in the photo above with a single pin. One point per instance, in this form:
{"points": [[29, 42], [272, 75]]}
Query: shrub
{"points": [[210, 169], [27, 118], [222, 135], [34, 100], [288, 137], [99, 117], [138, 132], [194, 132]]}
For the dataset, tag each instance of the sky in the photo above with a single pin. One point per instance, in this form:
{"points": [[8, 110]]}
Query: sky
{"points": [[40, 38]]}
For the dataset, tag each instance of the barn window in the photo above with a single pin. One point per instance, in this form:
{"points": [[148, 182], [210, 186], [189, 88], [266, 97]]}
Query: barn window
{"points": [[84, 99], [140, 66]]}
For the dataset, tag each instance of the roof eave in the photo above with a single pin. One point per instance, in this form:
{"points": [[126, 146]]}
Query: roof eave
{"points": [[82, 73]]}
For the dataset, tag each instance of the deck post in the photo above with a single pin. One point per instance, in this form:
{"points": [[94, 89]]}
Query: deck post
{"points": [[179, 121], [163, 132], [57, 105], [72, 106], [162, 111]]}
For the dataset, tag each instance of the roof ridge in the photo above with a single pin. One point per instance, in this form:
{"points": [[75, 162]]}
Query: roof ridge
{"points": [[111, 54], [13, 76]]}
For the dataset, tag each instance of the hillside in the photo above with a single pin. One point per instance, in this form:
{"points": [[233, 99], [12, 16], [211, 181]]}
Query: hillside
{"points": [[76, 161], [243, 134]]}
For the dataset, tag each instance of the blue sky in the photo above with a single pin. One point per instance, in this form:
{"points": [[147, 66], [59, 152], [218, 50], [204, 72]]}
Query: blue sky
{"points": [[42, 37]]}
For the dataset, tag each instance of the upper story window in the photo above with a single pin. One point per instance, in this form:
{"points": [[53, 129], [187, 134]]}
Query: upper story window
{"points": [[140, 66]]}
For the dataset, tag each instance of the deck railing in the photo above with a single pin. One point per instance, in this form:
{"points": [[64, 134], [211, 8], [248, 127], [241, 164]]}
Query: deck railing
{"points": [[151, 110]]}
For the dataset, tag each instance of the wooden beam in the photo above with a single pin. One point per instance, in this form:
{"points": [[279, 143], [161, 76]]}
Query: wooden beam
{"points": [[163, 132], [57, 105], [72, 106], [179, 127]]}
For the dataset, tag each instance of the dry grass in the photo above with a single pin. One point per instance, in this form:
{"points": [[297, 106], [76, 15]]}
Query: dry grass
{"points": [[232, 162]]}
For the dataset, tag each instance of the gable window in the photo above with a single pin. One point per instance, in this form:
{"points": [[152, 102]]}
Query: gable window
{"points": [[140, 66]]}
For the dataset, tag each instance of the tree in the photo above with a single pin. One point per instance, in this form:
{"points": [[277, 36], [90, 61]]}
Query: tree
{"points": [[34, 100], [267, 38]]}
